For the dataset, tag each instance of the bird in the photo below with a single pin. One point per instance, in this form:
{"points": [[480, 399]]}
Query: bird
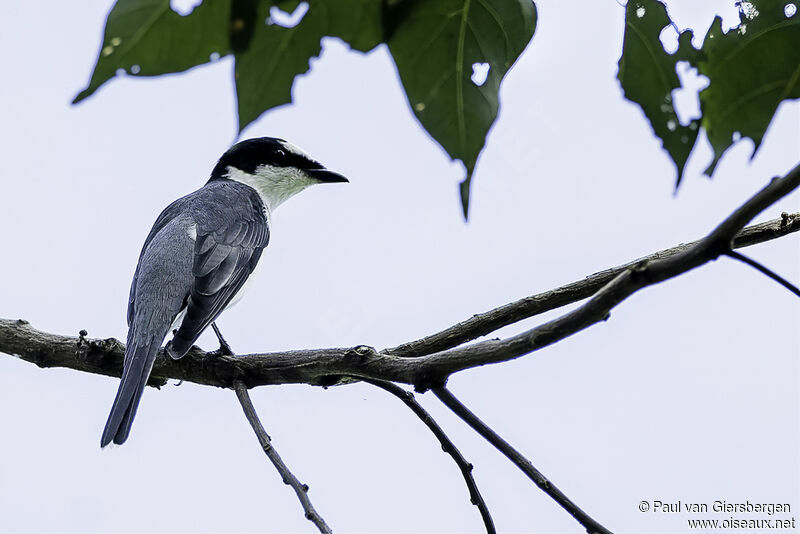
{"points": [[198, 256]]}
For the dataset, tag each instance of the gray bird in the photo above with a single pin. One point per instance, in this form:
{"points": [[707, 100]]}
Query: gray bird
{"points": [[198, 255]]}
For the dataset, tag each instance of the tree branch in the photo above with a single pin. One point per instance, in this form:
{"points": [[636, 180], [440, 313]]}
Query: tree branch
{"points": [[435, 368], [764, 270], [447, 446], [449, 400], [485, 323], [288, 478], [327, 366]]}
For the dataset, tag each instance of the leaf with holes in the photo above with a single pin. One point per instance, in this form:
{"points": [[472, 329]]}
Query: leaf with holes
{"points": [[148, 38], [752, 69], [265, 72], [436, 44], [648, 77]]}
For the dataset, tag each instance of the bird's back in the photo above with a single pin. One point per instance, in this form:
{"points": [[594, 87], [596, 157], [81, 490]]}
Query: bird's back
{"points": [[198, 255]]}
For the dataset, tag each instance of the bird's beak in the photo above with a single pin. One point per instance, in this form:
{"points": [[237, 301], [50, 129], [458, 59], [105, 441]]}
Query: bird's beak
{"points": [[324, 175]]}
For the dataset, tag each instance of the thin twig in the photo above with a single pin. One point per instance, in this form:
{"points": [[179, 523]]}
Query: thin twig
{"points": [[288, 478], [449, 400], [447, 446], [764, 270]]}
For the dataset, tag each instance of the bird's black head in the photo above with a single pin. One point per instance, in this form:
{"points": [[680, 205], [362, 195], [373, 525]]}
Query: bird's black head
{"points": [[247, 156]]}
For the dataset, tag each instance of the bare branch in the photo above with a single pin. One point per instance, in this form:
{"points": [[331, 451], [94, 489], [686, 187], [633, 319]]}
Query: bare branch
{"points": [[435, 368], [449, 400], [288, 478], [447, 446], [329, 366], [764, 270], [485, 323]]}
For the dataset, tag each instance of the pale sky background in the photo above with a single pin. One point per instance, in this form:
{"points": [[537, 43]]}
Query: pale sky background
{"points": [[689, 392]]}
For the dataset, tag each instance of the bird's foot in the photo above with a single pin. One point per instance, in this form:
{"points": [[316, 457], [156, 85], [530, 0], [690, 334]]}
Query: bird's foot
{"points": [[224, 348]]}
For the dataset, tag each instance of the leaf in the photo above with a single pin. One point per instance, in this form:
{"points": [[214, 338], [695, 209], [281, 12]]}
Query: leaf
{"points": [[435, 45], [242, 24], [265, 72], [752, 69], [148, 38], [647, 75], [357, 22]]}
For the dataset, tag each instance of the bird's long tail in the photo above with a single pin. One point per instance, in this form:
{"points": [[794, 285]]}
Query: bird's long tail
{"points": [[139, 358]]}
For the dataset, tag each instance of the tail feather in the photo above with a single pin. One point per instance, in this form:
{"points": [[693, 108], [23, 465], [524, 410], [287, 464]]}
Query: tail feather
{"points": [[139, 358]]}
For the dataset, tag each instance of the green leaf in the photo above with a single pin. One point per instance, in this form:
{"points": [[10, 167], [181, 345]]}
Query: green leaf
{"points": [[435, 45], [647, 75], [752, 69], [357, 22], [148, 38], [265, 72]]}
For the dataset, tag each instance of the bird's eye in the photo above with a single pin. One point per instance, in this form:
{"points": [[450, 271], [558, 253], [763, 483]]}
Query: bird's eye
{"points": [[280, 153]]}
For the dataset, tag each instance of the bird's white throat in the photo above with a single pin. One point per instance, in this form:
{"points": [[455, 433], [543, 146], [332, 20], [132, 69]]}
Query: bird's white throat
{"points": [[273, 184]]}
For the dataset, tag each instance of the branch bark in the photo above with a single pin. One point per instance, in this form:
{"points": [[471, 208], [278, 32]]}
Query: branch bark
{"points": [[417, 365]]}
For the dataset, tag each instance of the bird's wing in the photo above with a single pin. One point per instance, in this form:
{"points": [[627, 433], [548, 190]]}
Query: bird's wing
{"points": [[223, 259], [168, 215], [161, 287]]}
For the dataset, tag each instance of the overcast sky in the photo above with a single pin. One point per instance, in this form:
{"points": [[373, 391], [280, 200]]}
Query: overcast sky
{"points": [[689, 392]]}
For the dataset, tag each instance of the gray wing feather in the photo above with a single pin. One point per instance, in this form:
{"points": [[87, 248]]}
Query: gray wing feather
{"points": [[223, 261], [236, 233], [211, 260], [169, 214], [162, 281], [210, 283]]}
